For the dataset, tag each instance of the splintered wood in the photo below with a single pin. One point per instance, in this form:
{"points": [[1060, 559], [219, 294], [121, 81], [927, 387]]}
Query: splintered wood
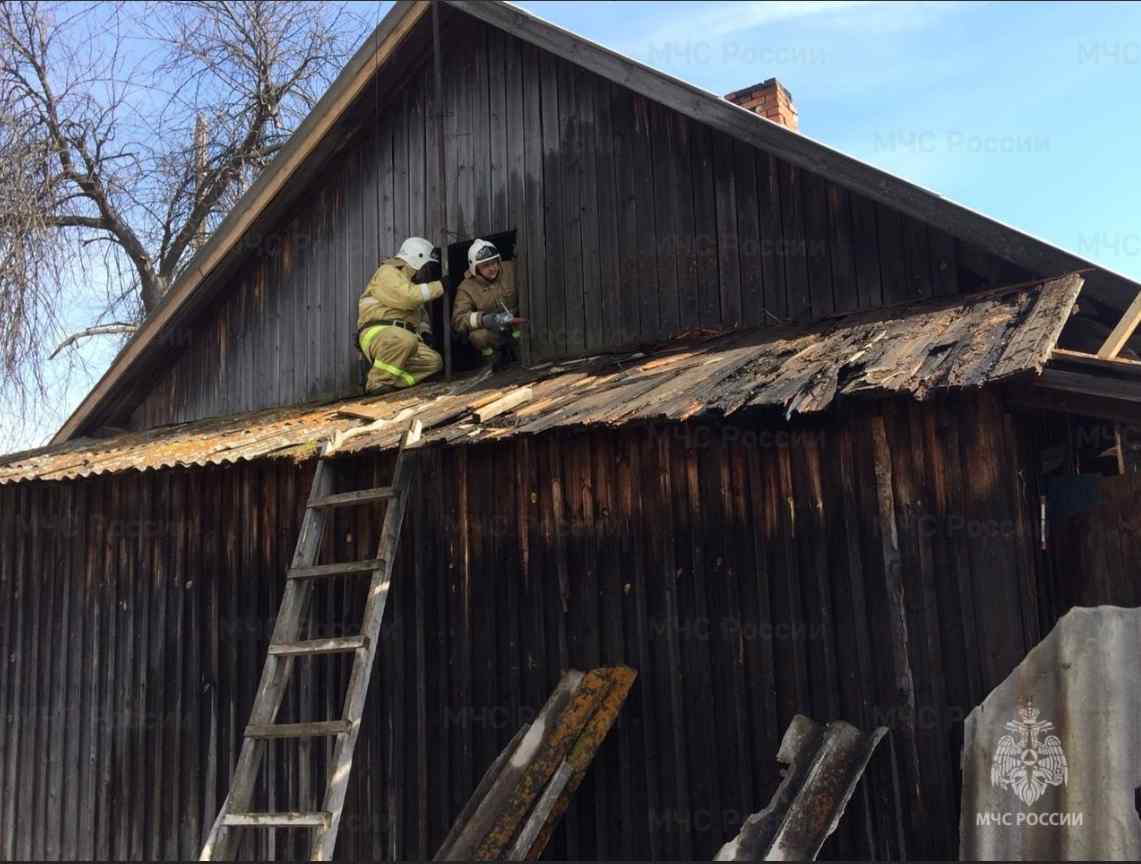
{"points": [[506, 403], [518, 803], [915, 349]]}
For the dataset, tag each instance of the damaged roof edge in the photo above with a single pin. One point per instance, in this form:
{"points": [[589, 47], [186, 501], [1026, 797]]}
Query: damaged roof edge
{"points": [[701, 105], [949, 344]]}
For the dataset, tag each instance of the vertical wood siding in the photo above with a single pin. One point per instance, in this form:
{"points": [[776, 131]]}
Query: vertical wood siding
{"points": [[634, 223], [1094, 542], [878, 569]]}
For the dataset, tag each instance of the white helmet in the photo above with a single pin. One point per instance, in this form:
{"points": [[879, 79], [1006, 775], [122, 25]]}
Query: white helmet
{"points": [[481, 252], [416, 252]]}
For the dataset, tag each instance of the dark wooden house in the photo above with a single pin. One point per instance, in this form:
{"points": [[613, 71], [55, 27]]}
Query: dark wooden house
{"points": [[801, 437]]}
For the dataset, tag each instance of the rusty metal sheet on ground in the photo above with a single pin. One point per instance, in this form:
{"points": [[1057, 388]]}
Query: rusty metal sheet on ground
{"points": [[520, 799], [825, 761]]}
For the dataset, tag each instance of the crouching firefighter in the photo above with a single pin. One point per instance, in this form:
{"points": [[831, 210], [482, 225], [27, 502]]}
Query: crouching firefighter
{"points": [[393, 320], [485, 305]]}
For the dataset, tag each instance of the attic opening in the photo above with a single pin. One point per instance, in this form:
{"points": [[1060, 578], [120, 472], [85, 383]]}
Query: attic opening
{"points": [[1072, 445], [1083, 484], [1093, 321]]}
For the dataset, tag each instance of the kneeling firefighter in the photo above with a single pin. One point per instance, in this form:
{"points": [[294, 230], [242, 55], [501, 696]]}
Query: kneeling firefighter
{"points": [[485, 304], [393, 321]]}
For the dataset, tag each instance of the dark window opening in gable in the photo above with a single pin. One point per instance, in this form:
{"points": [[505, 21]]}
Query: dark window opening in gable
{"points": [[464, 356]]}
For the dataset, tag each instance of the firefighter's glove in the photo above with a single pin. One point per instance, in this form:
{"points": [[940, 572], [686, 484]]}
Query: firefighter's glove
{"points": [[430, 272], [498, 321]]}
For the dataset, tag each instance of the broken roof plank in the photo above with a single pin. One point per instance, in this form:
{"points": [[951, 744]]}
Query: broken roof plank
{"points": [[504, 403], [1031, 342], [914, 349]]}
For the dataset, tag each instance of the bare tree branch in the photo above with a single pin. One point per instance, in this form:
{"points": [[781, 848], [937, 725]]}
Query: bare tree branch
{"points": [[97, 330], [103, 193]]}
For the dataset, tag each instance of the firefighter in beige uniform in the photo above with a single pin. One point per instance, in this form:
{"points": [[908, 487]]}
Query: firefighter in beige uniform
{"points": [[485, 303], [392, 317]]}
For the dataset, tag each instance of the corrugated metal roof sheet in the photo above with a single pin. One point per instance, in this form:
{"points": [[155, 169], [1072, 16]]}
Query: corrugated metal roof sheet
{"points": [[1051, 757], [824, 763], [966, 342], [521, 798]]}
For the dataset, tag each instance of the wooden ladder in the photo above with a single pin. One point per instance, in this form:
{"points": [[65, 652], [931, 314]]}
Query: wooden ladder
{"points": [[222, 842]]}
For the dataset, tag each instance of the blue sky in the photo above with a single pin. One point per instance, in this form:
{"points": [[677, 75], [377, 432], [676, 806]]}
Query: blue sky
{"points": [[1028, 113]]}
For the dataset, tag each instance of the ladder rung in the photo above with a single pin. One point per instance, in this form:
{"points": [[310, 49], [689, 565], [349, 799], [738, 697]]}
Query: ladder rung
{"points": [[318, 819], [298, 730], [320, 570], [335, 645], [347, 499]]}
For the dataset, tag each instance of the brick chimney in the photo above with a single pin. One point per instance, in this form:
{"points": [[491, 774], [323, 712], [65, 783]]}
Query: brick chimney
{"points": [[771, 100]]}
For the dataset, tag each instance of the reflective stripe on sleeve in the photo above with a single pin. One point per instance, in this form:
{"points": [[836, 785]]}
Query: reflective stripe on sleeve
{"points": [[473, 320], [426, 293]]}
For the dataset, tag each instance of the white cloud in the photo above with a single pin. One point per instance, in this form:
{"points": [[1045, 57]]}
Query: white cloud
{"points": [[891, 17], [683, 22]]}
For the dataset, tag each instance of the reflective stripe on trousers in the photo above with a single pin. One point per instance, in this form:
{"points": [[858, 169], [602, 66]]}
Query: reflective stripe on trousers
{"points": [[368, 335]]}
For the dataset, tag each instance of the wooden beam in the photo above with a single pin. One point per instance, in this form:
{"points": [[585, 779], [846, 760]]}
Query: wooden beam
{"points": [[316, 729], [344, 568], [1090, 385], [292, 819], [328, 645], [1115, 365], [1037, 400], [1061, 391], [904, 678], [1124, 329], [363, 496]]}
